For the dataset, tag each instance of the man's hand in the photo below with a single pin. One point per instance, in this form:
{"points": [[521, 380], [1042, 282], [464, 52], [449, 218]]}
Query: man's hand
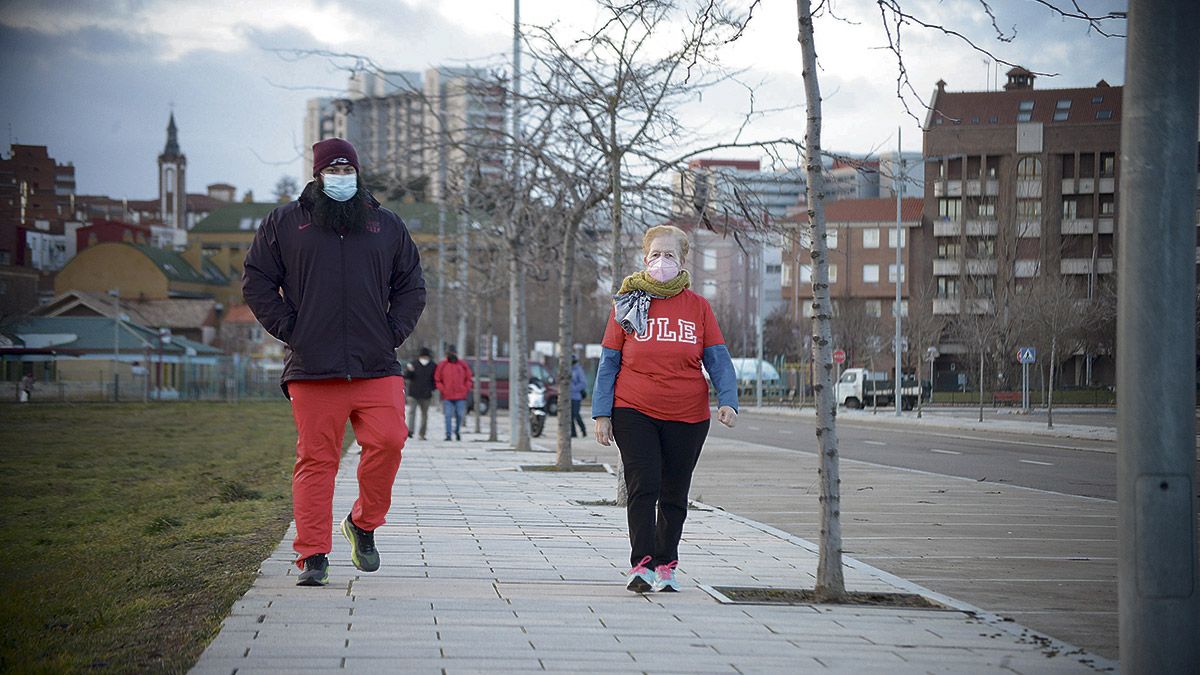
{"points": [[727, 416], [604, 431]]}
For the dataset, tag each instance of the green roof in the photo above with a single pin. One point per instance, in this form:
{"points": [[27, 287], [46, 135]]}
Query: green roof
{"points": [[235, 218], [91, 334], [420, 216], [173, 265]]}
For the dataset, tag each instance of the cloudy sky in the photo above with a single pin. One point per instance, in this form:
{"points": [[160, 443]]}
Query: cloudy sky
{"points": [[95, 81]]}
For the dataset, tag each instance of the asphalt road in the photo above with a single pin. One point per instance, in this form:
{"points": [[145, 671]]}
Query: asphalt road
{"points": [[1076, 467]]}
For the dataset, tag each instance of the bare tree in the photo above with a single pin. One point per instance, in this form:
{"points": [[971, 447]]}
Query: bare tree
{"points": [[924, 331], [831, 584], [1054, 320]]}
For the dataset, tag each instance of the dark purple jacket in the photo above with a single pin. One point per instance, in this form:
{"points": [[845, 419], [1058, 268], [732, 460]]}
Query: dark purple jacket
{"points": [[347, 300]]}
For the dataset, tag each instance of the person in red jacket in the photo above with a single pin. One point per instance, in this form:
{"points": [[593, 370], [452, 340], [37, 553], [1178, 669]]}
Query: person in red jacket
{"points": [[453, 380], [337, 278]]}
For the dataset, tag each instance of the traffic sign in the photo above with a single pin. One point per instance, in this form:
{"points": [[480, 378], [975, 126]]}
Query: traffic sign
{"points": [[1026, 355], [839, 356]]}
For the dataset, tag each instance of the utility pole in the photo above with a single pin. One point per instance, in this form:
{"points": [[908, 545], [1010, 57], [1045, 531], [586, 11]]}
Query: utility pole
{"points": [[1158, 588], [758, 323], [896, 182], [515, 386]]}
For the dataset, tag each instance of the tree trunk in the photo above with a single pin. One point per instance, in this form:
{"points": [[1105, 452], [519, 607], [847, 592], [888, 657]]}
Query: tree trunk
{"points": [[614, 176], [518, 354], [830, 583], [566, 338], [1050, 391], [493, 402], [981, 384]]}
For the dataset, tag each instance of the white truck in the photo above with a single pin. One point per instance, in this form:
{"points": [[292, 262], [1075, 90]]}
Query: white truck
{"points": [[859, 388]]}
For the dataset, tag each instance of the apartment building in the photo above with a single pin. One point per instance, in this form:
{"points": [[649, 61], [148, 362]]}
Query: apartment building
{"points": [[1019, 183]]}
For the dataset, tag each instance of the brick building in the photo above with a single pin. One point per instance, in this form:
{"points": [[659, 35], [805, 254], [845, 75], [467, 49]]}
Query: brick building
{"points": [[1021, 183]]}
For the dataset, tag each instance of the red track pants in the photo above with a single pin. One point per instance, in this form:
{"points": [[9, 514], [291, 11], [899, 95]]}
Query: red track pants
{"points": [[375, 408]]}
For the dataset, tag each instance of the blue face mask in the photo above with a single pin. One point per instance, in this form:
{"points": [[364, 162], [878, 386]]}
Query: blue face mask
{"points": [[340, 187]]}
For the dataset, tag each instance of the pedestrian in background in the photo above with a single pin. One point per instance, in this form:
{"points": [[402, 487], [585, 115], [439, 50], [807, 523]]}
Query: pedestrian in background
{"points": [[578, 391], [419, 374], [453, 380], [337, 278], [651, 397], [25, 395]]}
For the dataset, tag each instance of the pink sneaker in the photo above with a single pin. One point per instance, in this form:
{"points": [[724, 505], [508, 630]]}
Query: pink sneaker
{"points": [[640, 579], [665, 580]]}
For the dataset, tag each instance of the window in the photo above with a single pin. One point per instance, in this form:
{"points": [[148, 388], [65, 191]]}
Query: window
{"points": [[1024, 116], [1063, 104], [1068, 166], [1070, 209], [709, 259], [985, 247], [831, 238], [947, 287], [806, 274], [974, 120], [1097, 99], [774, 269], [871, 238], [949, 248], [987, 207], [1029, 168], [1087, 165], [1029, 209], [1061, 115], [873, 308], [833, 274], [993, 120], [709, 289], [1104, 114], [1025, 106], [984, 286], [892, 273], [903, 308], [1108, 205], [892, 238], [1108, 165], [870, 274], [950, 208]]}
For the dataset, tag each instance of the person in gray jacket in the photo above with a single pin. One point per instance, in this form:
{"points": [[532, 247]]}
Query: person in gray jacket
{"points": [[337, 278]]}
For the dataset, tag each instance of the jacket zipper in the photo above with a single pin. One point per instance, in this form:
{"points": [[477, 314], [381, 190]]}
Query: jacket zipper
{"points": [[345, 346]]}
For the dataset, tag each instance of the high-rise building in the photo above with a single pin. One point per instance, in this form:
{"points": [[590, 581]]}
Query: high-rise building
{"points": [[464, 126], [1021, 183]]}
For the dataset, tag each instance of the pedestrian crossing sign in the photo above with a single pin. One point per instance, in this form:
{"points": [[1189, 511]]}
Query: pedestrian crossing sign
{"points": [[1026, 355]]}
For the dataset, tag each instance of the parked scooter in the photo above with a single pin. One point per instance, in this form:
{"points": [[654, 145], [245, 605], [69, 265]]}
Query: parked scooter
{"points": [[537, 407]]}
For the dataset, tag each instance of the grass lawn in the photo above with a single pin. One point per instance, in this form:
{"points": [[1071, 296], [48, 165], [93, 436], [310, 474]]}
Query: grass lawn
{"points": [[130, 529]]}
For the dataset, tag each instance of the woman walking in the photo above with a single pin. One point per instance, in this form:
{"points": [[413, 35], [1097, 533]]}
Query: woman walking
{"points": [[651, 397]]}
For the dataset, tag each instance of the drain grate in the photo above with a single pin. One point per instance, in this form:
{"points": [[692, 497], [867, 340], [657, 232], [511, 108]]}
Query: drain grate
{"points": [[750, 595]]}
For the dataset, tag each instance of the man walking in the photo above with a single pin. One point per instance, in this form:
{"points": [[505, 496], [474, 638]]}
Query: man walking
{"points": [[419, 374], [453, 380], [338, 279], [578, 391]]}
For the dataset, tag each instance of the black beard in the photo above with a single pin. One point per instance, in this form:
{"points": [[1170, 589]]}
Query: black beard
{"points": [[341, 217]]}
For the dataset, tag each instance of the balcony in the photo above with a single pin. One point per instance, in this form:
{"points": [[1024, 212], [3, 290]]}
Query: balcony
{"points": [[1027, 189], [1108, 185], [1084, 266], [1068, 186], [982, 228], [1030, 229], [1077, 226], [943, 267], [1026, 269], [947, 228], [979, 306], [1086, 186], [1105, 226], [945, 305], [981, 266], [943, 188]]}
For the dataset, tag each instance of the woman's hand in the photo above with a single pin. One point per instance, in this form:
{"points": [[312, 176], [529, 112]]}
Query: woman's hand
{"points": [[726, 416], [604, 431]]}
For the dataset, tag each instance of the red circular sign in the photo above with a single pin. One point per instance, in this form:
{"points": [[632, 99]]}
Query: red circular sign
{"points": [[839, 356]]}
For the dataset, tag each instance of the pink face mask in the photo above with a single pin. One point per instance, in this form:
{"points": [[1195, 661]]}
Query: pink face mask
{"points": [[663, 269]]}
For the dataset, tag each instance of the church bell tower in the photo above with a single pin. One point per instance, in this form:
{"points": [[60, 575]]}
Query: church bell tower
{"points": [[172, 190]]}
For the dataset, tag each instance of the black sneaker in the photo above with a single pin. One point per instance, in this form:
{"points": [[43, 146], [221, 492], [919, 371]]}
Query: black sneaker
{"points": [[316, 571], [457, 437], [362, 546]]}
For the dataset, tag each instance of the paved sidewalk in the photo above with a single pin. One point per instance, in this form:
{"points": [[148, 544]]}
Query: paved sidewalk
{"points": [[488, 568]]}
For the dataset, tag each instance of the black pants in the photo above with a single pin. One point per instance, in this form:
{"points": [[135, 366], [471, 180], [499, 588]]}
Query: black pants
{"points": [[659, 458], [577, 419]]}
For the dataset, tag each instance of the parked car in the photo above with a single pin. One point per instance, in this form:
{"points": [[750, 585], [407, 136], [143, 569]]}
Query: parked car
{"points": [[537, 371], [747, 376]]}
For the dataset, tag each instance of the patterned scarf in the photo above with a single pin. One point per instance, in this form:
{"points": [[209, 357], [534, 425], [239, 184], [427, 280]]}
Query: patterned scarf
{"points": [[632, 302]]}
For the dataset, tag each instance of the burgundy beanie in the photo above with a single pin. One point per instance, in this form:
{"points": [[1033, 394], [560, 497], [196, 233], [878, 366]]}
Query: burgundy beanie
{"points": [[333, 151]]}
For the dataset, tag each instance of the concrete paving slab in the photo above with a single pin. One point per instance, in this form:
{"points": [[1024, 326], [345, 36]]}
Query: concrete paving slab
{"points": [[514, 575]]}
